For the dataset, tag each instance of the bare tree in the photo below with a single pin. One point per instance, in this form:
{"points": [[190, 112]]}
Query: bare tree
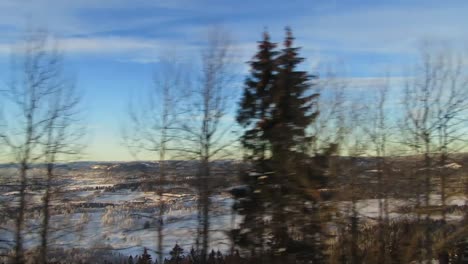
{"points": [[377, 129], [43, 129], [33, 72], [435, 104], [356, 147], [206, 128], [451, 107], [6, 183], [154, 126], [329, 127], [62, 138]]}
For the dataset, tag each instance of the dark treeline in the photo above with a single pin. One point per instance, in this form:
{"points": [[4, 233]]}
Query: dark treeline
{"points": [[325, 173]]}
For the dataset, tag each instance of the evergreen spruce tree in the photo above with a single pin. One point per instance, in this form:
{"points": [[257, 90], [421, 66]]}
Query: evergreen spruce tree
{"points": [[277, 109], [294, 103], [254, 111], [145, 258], [255, 105], [177, 254], [298, 174], [286, 130]]}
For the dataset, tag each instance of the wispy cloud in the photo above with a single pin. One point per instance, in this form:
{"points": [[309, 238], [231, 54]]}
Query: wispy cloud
{"points": [[96, 46], [106, 45], [387, 29]]}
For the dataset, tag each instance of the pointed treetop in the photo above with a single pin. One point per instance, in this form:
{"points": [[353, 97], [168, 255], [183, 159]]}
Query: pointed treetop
{"points": [[289, 37], [266, 35]]}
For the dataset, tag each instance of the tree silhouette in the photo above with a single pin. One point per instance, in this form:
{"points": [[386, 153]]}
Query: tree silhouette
{"points": [[277, 108]]}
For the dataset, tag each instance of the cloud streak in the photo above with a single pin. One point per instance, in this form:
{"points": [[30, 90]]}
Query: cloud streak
{"points": [[368, 28], [387, 29]]}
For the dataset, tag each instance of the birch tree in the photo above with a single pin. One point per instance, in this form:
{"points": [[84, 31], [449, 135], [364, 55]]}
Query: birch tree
{"points": [[40, 109], [153, 127]]}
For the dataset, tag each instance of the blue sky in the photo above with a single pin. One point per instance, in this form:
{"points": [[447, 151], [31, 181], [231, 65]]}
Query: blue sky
{"points": [[113, 46]]}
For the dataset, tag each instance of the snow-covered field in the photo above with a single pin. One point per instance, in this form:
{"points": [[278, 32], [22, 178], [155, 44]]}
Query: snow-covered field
{"points": [[368, 209], [88, 211], [94, 209]]}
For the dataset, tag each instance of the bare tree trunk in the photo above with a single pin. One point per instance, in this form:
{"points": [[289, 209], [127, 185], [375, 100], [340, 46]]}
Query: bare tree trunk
{"points": [[205, 204], [19, 254], [155, 129], [163, 145], [26, 149], [46, 215], [354, 222], [205, 166], [162, 207], [203, 133], [377, 131]]}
